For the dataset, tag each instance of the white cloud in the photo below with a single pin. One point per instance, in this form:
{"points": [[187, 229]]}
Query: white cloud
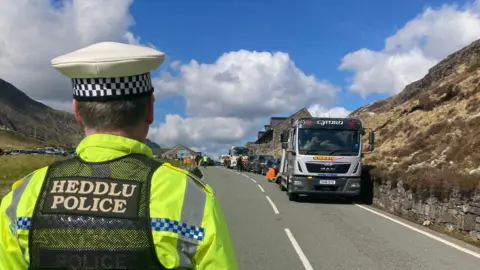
{"points": [[245, 84], [413, 49], [321, 111], [208, 134], [32, 32], [229, 100], [175, 64]]}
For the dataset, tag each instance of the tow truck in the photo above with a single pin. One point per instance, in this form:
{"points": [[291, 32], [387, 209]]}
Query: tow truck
{"points": [[235, 152], [323, 156]]}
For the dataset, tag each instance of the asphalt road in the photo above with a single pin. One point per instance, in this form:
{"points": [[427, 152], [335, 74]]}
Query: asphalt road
{"points": [[270, 232]]}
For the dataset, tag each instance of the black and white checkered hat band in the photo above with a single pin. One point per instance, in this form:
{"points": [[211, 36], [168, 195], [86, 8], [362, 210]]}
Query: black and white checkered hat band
{"points": [[97, 89]]}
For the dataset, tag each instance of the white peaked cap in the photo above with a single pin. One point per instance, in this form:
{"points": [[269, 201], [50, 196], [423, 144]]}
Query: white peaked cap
{"points": [[110, 71]]}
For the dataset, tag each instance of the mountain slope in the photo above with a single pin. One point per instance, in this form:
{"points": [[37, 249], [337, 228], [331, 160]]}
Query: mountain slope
{"points": [[20, 113], [25, 116], [152, 145], [428, 136]]}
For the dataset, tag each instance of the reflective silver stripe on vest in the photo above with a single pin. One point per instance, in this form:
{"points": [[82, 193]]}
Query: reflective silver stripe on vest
{"points": [[12, 208], [192, 213]]}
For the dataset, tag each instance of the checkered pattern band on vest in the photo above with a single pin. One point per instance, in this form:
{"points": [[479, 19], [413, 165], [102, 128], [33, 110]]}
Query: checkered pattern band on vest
{"points": [[121, 88]]}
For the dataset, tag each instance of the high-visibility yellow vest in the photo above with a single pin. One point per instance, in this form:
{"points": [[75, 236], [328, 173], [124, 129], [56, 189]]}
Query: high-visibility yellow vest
{"points": [[191, 204]]}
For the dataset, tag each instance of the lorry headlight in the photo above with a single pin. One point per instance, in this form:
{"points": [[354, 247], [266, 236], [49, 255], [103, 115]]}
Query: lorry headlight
{"points": [[355, 185]]}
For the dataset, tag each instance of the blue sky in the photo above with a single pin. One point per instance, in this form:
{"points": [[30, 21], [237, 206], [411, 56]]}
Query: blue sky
{"points": [[234, 59], [316, 34]]}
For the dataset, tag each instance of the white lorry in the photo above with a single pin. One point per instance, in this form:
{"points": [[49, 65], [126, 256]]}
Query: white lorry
{"points": [[323, 156], [235, 152]]}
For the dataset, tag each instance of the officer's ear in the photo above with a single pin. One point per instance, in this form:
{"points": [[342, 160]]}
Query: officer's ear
{"points": [[75, 112], [150, 110]]}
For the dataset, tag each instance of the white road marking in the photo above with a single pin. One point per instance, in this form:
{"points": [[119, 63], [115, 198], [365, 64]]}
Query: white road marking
{"points": [[261, 188], [448, 243], [299, 250], [253, 180], [273, 206]]}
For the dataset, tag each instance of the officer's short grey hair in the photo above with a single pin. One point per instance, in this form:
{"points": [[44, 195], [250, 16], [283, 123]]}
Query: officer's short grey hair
{"points": [[113, 115]]}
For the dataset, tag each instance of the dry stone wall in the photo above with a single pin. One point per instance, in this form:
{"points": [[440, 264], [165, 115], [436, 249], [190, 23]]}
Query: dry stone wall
{"points": [[456, 212]]}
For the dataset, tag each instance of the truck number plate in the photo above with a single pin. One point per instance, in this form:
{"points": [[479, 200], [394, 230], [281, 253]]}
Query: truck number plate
{"points": [[327, 182]]}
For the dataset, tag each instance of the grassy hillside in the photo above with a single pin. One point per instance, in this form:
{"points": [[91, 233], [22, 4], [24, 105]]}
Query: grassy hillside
{"points": [[15, 140], [428, 135]]}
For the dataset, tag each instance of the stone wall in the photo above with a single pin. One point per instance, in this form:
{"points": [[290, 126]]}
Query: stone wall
{"points": [[456, 212]]}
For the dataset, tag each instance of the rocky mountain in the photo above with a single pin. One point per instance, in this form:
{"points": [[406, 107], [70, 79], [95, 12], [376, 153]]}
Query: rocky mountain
{"points": [[20, 113], [428, 135], [152, 145]]}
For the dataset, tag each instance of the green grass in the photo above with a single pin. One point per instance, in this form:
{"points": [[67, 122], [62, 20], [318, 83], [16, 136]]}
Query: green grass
{"points": [[15, 140]]}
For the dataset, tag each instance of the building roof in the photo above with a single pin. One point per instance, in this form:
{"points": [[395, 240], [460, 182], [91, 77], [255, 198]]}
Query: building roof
{"points": [[304, 109], [172, 151]]}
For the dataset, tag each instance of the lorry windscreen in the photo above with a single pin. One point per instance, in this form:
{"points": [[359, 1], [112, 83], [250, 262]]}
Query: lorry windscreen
{"points": [[240, 151], [333, 142]]}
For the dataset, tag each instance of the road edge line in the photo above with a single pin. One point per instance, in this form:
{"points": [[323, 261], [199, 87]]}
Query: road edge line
{"points": [[439, 239], [298, 250], [275, 209]]}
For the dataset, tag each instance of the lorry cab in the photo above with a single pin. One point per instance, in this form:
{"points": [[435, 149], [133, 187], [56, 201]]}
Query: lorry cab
{"points": [[322, 156], [235, 152]]}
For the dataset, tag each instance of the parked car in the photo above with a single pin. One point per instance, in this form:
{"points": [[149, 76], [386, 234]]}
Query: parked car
{"points": [[260, 162], [249, 164], [271, 163]]}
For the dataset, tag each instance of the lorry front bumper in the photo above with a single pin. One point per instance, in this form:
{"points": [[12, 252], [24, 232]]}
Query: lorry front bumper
{"points": [[312, 185]]}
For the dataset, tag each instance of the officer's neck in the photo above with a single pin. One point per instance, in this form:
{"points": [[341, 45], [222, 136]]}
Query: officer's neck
{"points": [[139, 136]]}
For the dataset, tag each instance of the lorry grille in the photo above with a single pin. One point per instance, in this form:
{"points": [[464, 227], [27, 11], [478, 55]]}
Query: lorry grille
{"points": [[321, 168]]}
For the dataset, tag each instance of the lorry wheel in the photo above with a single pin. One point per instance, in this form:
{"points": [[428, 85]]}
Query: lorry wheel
{"points": [[293, 197], [282, 188]]}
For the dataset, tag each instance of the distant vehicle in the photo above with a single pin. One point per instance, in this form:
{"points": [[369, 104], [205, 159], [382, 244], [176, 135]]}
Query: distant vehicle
{"points": [[235, 152], [222, 159], [271, 163], [260, 162], [323, 156], [249, 163]]}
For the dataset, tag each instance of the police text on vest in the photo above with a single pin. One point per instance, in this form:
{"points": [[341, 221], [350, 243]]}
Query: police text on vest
{"points": [[93, 197]]}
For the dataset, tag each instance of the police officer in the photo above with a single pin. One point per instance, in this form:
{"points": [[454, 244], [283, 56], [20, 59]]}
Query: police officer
{"points": [[205, 161], [113, 206]]}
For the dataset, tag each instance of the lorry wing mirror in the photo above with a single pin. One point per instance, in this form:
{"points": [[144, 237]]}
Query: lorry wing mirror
{"points": [[371, 141], [371, 138], [370, 147], [284, 136]]}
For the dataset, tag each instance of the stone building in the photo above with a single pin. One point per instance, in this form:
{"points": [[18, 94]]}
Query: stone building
{"points": [[268, 140], [172, 152]]}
